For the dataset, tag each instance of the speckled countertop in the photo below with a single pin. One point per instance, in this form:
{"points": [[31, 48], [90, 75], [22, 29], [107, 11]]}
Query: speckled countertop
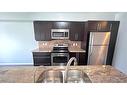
{"points": [[50, 50], [76, 50], [42, 50], [29, 74]]}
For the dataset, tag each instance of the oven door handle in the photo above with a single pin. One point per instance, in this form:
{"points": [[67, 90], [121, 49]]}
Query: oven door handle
{"points": [[60, 55]]}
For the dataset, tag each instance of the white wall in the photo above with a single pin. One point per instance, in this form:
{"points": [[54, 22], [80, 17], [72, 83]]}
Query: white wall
{"points": [[120, 54], [17, 35], [16, 42]]}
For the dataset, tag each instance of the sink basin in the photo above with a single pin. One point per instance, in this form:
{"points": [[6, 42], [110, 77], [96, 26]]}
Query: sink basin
{"points": [[51, 76], [77, 76], [57, 76]]}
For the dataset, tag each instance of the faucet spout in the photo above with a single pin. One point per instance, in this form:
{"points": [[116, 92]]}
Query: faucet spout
{"points": [[67, 67]]}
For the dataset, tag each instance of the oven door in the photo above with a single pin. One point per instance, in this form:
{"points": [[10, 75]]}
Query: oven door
{"points": [[59, 59]]}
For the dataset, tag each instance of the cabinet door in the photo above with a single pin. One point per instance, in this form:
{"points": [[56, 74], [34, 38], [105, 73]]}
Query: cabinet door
{"points": [[85, 33], [76, 31], [60, 25], [72, 54], [41, 61], [37, 31], [41, 58], [99, 26], [42, 30], [82, 59], [113, 39], [104, 26], [46, 29], [92, 25]]}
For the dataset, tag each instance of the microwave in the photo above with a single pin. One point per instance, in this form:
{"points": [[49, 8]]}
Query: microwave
{"points": [[60, 33]]}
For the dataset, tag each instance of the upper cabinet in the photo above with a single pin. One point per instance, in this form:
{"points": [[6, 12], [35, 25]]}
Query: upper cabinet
{"points": [[99, 26], [61, 25], [77, 30], [42, 30]]}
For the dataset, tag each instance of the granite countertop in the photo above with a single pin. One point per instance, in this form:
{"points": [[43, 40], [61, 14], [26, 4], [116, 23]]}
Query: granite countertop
{"points": [[42, 50], [76, 50], [29, 74], [50, 50]]}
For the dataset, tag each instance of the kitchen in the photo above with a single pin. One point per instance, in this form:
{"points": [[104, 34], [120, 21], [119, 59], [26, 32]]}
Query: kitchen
{"points": [[59, 40]]}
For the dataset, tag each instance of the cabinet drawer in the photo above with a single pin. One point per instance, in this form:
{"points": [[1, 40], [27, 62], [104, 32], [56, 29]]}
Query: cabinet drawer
{"points": [[43, 64], [41, 54]]}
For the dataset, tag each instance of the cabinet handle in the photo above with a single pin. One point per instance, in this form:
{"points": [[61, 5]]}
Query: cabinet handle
{"points": [[98, 26], [110, 27], [76, 36]]}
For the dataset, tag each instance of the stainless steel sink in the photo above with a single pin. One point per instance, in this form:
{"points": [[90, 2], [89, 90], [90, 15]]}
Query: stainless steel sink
{"points": [[51, 76], [57, 76], [77, 76]]}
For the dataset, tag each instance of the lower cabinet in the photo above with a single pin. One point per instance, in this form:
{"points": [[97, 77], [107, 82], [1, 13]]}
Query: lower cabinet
{"points": [[42, 58], [80, 56]]}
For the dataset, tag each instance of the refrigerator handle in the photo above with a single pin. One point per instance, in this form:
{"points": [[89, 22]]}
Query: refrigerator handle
{"points": [[92, 38], [110, 27], [91, 41], [91, 46]]}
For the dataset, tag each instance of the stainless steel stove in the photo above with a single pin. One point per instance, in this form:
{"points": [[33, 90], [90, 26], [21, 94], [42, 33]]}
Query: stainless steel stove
{"points": [[59, 55]]}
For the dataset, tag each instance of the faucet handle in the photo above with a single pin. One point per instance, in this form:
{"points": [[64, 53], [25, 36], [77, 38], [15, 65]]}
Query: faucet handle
{"points": [[75, 61]]}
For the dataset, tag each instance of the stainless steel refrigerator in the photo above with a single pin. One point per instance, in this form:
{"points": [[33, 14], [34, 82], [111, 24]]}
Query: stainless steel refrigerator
{"points": [[98, 47]]}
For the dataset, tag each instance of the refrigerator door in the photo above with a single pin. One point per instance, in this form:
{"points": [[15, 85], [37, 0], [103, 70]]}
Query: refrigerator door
{"points": [[97, 55], [99, 38]]}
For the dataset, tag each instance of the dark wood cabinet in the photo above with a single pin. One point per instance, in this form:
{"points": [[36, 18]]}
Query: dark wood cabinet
{"points": [[99, 26], [113, 38], [42, 30], [82, 59], [41, 58], [80, 56], [85, 33], [61, 25], [76, 31]]}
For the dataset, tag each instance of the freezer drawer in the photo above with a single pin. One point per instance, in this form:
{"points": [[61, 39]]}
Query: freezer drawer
{"points": [[99, 38], [97, 55]]}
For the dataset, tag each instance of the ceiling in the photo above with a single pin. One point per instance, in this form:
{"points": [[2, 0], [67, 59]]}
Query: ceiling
{"points": [[68, 16]]}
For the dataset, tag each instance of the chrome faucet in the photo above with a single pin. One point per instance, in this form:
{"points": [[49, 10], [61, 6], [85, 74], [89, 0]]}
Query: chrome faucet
{"points": [[67, 67]]}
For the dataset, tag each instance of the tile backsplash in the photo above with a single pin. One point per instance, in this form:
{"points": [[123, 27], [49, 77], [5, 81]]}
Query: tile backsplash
{"points": [[50, 44]]}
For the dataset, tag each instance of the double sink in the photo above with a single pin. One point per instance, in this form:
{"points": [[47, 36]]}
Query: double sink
{"points": [[66, 75], [61, 76]]}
